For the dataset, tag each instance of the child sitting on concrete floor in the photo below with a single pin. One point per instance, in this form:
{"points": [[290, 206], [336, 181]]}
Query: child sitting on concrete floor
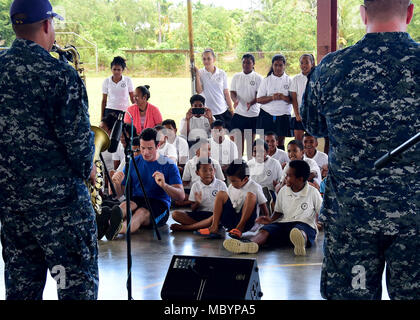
{"points": [[202, 196], [236, 209], [294, 219]]}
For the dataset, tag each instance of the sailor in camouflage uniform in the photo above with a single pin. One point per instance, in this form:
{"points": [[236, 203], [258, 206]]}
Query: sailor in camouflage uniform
{"points": [[366, 99], [46, 154]]}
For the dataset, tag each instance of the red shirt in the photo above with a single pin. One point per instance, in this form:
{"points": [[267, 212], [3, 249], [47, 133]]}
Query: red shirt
{"points": [[153, 117]]}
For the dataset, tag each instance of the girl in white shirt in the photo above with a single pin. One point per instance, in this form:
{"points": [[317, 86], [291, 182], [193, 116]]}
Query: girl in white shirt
{"points": [[307, 63], [212, 83], [116, 89], [273, 95], [243, 91]]}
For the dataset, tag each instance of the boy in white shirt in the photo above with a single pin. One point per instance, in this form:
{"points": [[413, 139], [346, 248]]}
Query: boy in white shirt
{"points": [[222, 149], [280, 155], [295, 151], [294, 219], [310, 144], [181, 145], [197, 121], [164, 147], [236, 209], [264, 170], [202, 196]]}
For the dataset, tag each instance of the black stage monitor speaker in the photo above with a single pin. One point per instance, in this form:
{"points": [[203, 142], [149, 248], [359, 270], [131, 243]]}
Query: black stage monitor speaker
{"points": [[211, 278]]}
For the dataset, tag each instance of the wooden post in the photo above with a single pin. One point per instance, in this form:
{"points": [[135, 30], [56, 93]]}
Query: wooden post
{"points": [[191, 39], [326, 27]]}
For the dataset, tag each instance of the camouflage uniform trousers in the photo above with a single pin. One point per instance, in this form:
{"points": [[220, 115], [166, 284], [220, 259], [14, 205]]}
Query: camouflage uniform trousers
{"points": [[355, 257], [61, 240]]}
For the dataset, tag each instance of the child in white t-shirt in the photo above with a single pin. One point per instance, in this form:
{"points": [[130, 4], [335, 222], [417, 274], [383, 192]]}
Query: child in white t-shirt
{"points": [[297, 88], [197, 121], [202, 196], [222, 149], [164, 147], [236, 209], [294, 219], [273, 95], [296, 152], [310, 144], [280, 155], [117, 89]]}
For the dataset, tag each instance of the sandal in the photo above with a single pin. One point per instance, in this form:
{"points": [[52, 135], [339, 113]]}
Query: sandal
{"points": [[235, 233], [207, 234]]}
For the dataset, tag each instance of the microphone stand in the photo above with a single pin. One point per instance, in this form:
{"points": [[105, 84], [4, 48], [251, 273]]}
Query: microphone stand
{"points": [[129, 154], [383, 161]]}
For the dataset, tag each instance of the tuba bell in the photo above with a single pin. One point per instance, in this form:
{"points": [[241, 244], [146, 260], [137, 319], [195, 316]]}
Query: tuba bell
{"points": [[102, 143]]}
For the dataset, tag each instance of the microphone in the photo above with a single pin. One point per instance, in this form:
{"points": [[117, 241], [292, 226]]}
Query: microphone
{"points": [[116, 134]]}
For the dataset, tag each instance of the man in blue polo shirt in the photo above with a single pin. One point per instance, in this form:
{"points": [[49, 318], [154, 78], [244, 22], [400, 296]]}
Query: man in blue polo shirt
{"points": [[161, 180]]}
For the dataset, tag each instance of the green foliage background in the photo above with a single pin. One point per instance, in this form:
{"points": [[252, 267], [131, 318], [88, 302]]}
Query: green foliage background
{"points": [[278, 26]]}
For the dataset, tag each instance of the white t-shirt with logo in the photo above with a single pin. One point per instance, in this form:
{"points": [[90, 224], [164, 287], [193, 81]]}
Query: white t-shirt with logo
{"points": [[272, 85], [320, 158], [281, 156], [225, 152], [265, 173], [246, 88], [213, 86], [190, 169], [118, 93], [299, 206], [237, 196], [298, 85], [208, 193], [313, 167], [199, 128]]}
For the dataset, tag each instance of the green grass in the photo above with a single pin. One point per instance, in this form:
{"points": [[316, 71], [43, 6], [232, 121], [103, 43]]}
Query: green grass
{"points": [[170, 95]]}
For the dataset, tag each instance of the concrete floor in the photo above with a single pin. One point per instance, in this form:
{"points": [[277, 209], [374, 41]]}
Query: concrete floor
{"points": [[283, 276]]}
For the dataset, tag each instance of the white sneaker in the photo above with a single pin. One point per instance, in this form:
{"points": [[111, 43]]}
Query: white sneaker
{"points": [[240, 246], [298, 241]]}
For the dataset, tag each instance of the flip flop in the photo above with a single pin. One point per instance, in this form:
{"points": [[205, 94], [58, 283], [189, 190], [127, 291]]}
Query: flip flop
{"points": [[235, 234], [205, 233]]}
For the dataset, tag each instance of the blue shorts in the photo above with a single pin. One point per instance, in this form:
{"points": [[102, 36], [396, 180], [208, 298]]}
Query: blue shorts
{"points": [[279, 233], [159, 208], [278, 124], [199, 215], [242, 123], [230, 218], [296, 125]]}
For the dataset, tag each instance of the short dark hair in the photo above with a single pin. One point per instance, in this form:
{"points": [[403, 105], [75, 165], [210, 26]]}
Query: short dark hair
{"points": [[128, 128], [306, 134], [197, 97], [298, 143], [248, 56], [144, 91], [169, 122], [119, 61], [109, 120], [136, 141], [383, 10], [238, 168], [202, 161], [218, 123], [260, 142], [159, 127], [271, 133], [149, 134], [302, 169]]}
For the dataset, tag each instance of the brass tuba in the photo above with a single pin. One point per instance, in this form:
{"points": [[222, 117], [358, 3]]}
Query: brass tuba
{"points": [[69, 54], [102, 143]]}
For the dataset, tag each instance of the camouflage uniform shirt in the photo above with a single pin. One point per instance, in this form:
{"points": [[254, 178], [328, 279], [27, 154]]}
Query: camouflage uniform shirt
{"points": [[366, 99], [46, 146]]}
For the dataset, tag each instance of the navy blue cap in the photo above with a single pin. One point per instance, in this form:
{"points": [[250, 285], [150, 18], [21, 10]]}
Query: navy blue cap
{"points": [[31, 11]]}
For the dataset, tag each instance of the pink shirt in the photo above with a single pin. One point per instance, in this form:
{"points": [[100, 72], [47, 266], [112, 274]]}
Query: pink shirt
{"points": [[153, 117]]}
